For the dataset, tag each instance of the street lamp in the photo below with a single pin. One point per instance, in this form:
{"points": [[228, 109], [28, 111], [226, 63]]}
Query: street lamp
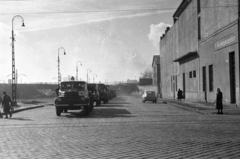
{"points": [[94, 76], [77, 69], [59, 75], [17, 76], [87, 74], [14, 88]]}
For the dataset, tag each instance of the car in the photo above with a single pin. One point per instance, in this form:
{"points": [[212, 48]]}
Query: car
{"points": [[149, 96], [94, 93], [73, 95]]}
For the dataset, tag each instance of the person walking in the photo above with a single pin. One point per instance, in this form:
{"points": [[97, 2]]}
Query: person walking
{"points": [[219, 105], [179, 94], [6, 104]]}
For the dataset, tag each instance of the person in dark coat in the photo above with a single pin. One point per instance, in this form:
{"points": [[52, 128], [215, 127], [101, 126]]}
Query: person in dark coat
{"points": [[219, 105], [57, 91], [179, 94], [6, 104]]}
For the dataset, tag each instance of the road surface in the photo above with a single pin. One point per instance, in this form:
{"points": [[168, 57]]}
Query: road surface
{"points": [[123, 128]]}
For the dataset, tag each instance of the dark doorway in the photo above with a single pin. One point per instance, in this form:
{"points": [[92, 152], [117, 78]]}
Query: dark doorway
{"points": [[232, 77], [204, 82], [184, 86], [173, 90]]}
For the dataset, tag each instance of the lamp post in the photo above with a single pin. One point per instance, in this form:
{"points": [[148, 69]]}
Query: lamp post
{"points": [[77, 69], [17, 76], [87, 74], [59, 75], [94, 76], [14, 88]]}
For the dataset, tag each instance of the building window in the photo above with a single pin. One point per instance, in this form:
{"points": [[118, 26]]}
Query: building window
{"points": [[194, 74], [198, 6], [210, 67], [190, 74], [199, 28]]}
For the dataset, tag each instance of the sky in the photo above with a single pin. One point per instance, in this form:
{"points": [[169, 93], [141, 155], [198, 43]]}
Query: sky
{"points": [[114, 40]]}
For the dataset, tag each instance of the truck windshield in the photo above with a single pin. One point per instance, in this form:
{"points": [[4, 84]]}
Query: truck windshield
{"points": [[73, 86]]}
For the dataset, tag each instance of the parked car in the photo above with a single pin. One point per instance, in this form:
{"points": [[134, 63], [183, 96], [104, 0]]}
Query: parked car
{"points": [[149, 96]]}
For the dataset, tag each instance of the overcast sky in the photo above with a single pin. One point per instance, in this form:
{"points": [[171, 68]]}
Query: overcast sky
{"points": [[115, 39]]}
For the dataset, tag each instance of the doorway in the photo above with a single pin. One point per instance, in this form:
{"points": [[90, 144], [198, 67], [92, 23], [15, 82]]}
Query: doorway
{"points": [[204, 82], [232, 75], [184, 85]]}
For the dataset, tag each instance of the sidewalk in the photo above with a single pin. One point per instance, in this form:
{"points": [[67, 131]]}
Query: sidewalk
{"points": [[22, 107], [201, 107]]}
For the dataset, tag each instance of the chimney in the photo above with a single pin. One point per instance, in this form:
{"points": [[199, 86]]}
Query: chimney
{"points": [[167, 29]]}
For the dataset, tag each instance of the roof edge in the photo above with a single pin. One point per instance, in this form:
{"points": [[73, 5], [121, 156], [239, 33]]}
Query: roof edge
{"points": [[181, 8]]}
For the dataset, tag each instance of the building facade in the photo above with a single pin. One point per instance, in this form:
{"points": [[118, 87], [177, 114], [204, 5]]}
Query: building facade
{"points": [[156, 73], [200, 52]]}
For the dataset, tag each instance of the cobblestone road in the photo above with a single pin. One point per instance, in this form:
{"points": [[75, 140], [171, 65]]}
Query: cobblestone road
{"points": [[124, 128]]}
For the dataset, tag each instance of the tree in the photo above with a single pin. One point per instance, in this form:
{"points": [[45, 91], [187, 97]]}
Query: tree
{"points": [[146, 74]]}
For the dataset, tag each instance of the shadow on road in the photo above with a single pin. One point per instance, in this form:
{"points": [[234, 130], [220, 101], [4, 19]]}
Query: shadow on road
{"points": [[24, 119], [121, 102], [110, 105], [101, 113]]}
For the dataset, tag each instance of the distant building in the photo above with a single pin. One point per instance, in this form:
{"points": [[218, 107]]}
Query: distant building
{"points": [[9, 81], [145, 81], [146, 84], [132, 81]]}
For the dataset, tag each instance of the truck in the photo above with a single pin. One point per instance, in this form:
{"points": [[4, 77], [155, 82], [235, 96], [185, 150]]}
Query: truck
{"points": [[103, 91], [73, 95]]}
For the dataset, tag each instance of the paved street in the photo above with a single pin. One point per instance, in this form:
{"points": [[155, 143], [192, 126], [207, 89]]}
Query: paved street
{"points": [[124, 128]]}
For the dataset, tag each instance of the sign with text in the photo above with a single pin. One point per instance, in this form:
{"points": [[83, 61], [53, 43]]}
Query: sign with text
{"points": [[226, 41]]}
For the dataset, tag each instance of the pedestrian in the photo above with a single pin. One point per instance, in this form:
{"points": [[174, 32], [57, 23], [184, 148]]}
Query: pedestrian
{"points": [[57, 91], [218, 101], [6, 104], [179, 94]]}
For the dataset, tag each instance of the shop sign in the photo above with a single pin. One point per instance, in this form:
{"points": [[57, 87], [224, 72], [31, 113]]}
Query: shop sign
{"points": [[229, 40]]}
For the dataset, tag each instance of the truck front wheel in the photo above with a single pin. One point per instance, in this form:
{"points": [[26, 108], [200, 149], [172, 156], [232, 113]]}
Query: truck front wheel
{"points": [[58, 111], [86, 110], [91, 106]]}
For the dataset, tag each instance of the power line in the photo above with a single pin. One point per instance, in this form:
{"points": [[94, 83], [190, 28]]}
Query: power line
{"points": [[114, 11]]}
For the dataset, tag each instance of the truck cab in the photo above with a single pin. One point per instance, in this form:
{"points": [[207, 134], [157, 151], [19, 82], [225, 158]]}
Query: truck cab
{"points": [[73, 95]]}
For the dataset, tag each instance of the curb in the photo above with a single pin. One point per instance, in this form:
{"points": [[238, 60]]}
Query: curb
{"points": [[186, 108], [196, 107], [26, 108]]}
